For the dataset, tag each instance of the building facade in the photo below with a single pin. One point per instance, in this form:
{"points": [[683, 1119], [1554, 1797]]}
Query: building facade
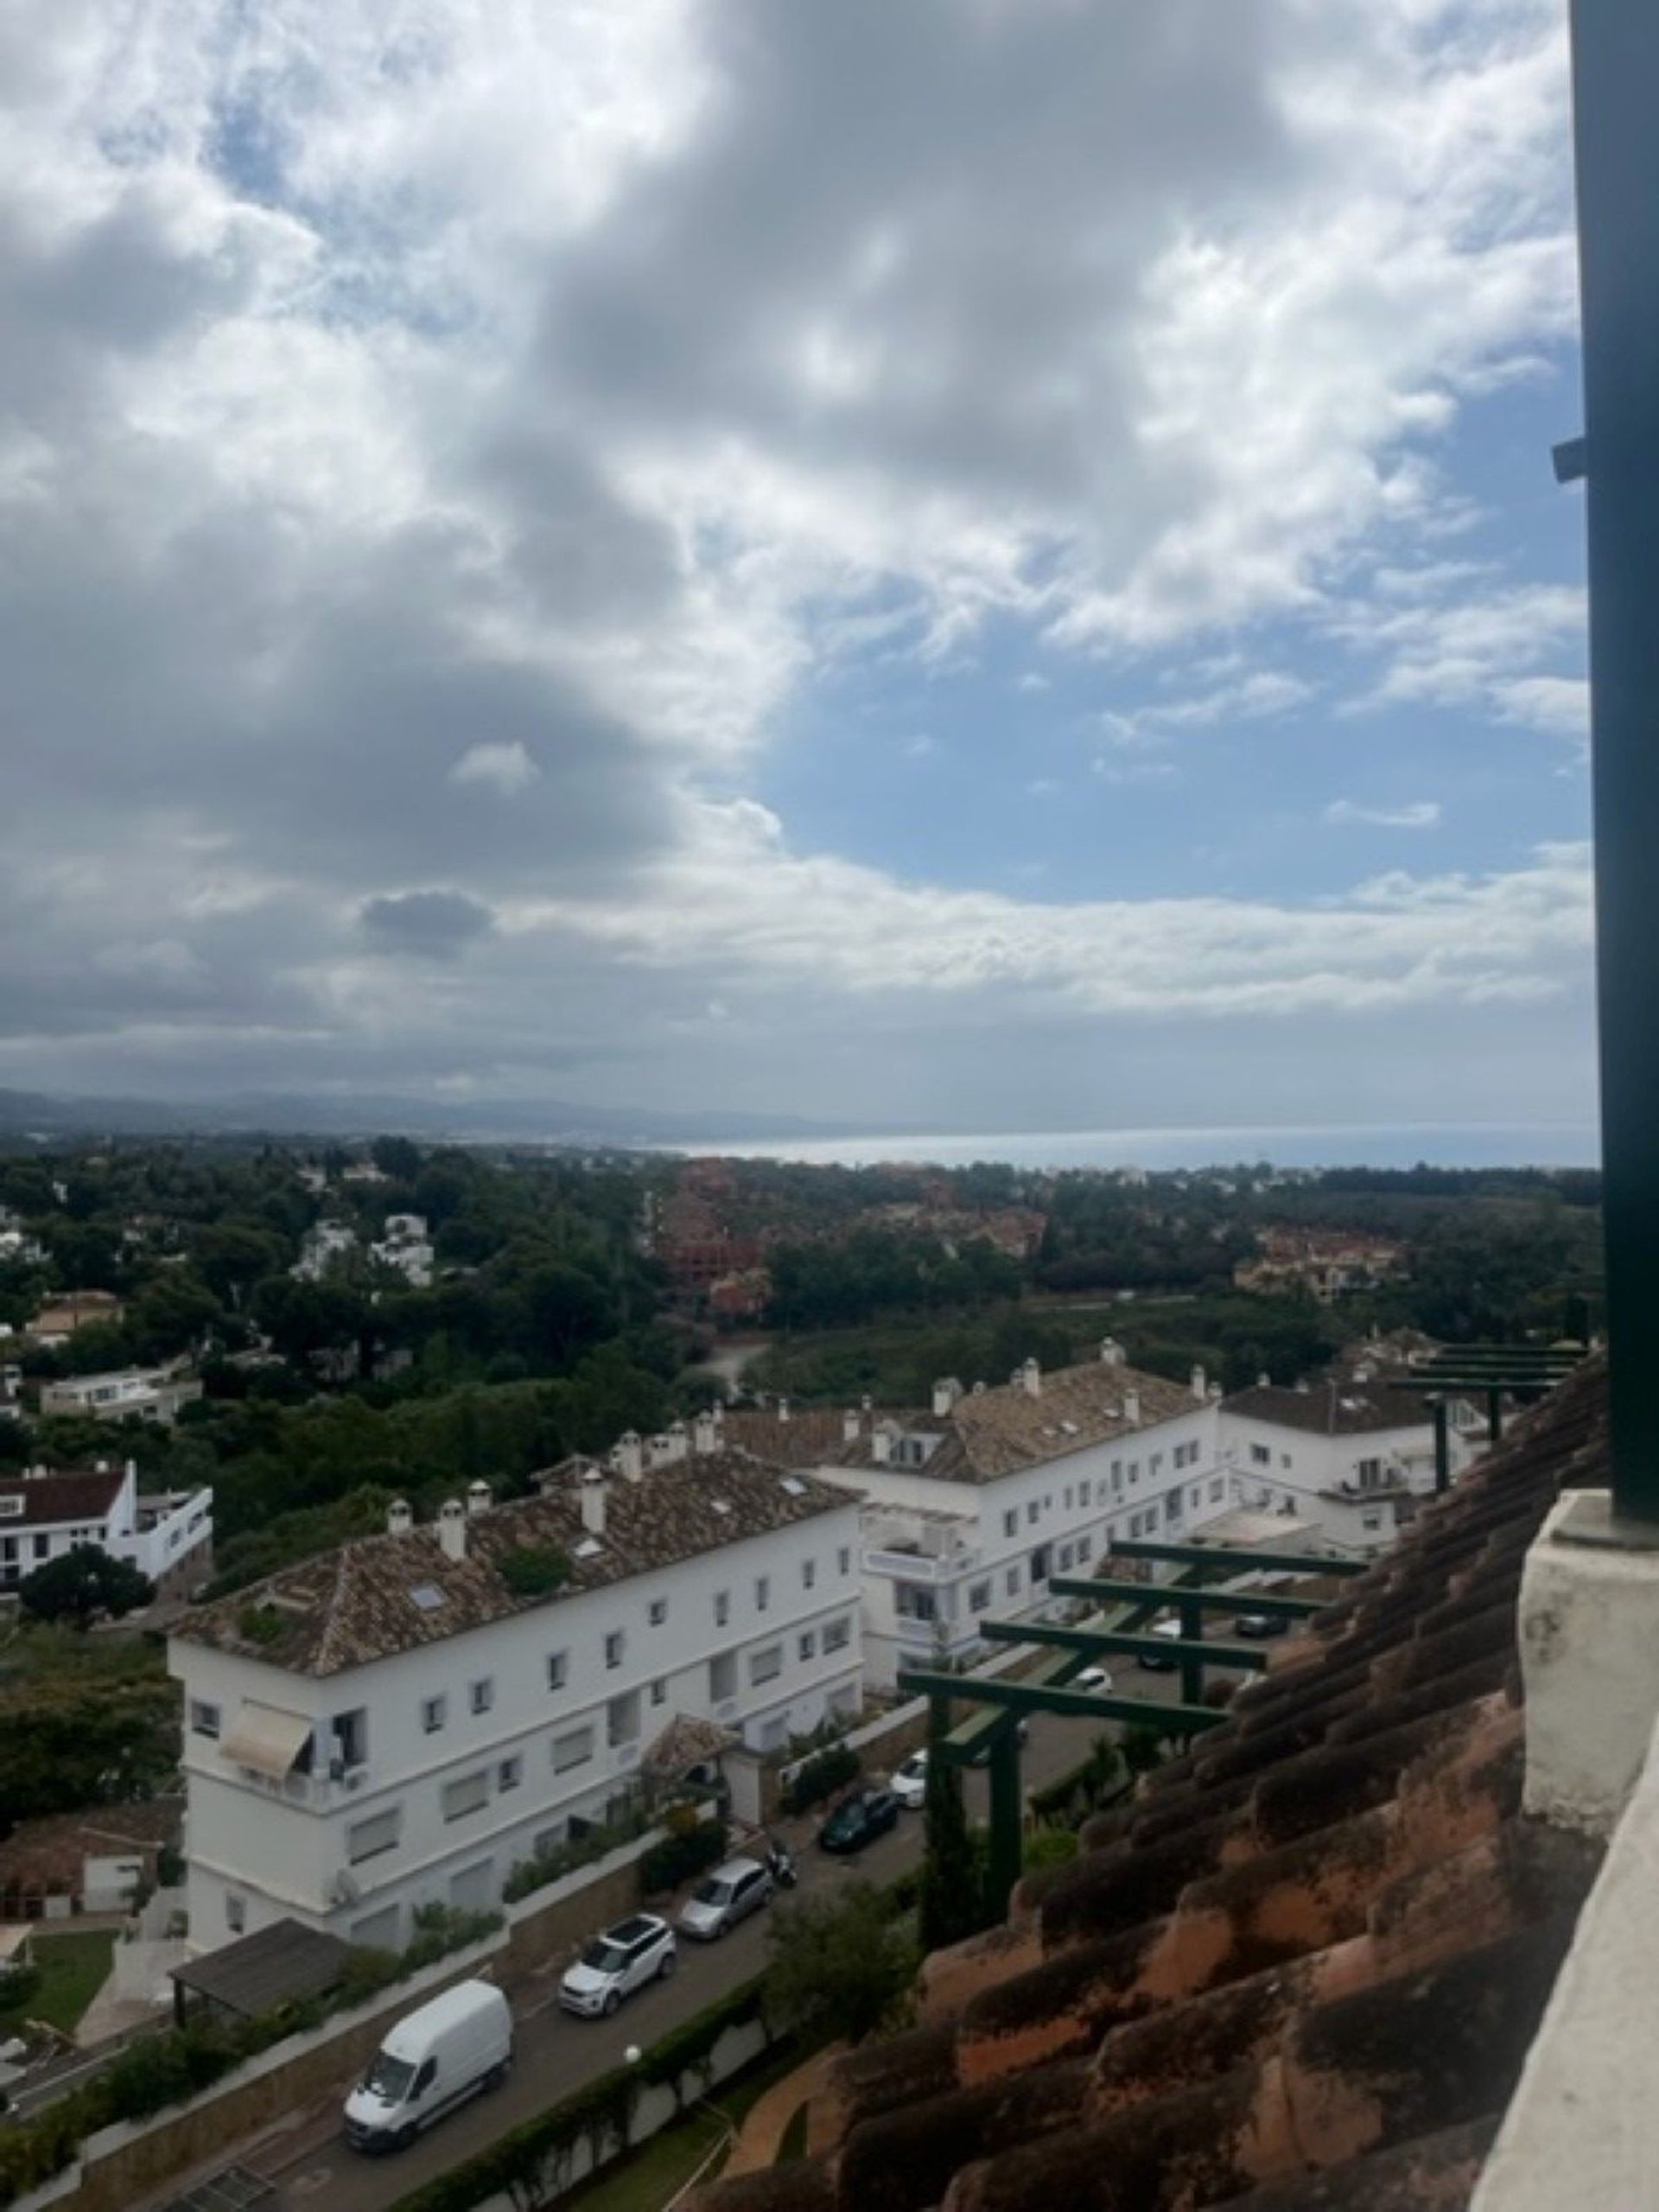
{"points": [[45, 1512], [146, 1394], [403, 1720]]}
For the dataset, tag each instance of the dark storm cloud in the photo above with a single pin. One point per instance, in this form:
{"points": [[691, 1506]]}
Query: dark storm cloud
{"points": [[431, 924]]}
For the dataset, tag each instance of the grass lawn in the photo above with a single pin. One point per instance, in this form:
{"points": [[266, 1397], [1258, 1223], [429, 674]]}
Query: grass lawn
{"points": [[74, 1968], [647, 2180]]}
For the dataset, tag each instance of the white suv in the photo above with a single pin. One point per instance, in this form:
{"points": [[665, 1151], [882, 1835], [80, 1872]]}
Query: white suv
{"points": [[636, 1950]]}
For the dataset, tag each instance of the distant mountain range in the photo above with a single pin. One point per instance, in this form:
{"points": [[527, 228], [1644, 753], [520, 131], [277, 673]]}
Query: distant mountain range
{"points": [[25, 1113]]}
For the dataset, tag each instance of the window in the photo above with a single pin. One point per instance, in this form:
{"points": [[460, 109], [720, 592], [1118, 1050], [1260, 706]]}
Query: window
{"points": [[1066, 1557], [1173, 1506], [616, 1644], [558, 1669], [837, 1635], [845, 1557], [1010, 1524], [913, 1601], [351, 1734], [368, 1839], [1085, 1546], [1218, 1490], [762, 1592], [659, 1612], [1069, 1494], [722, 1607], [1284, 1459], [765, 1665], [1134, 1472], [1154, 1466], [1370, 1472], [574, 1750], [468, 1793], [1261, 1456], [622, 1719], [1011, 1581], [1082, 1493], [808, 1573], [979, 1597], [483, 1694], [808, 1647], [1032, 1510], [722, 1677], [510, 1773], [434, 1712], [659, 1692], [236, 1912], [204, 1718], [1370, 1520]]}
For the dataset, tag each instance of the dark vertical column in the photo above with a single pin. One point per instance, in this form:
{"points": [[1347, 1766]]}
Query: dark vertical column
{"points": [[1442, 1445], [1616, 95], [1192, 1665], [1494, 1417], [1008, 1813]]}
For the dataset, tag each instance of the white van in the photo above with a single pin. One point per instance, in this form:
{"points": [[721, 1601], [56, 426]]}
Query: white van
{"points": [[461, 2041]]}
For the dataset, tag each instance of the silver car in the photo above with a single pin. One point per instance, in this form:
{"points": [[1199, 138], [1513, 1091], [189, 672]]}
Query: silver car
{"points": [[722, 1899]]}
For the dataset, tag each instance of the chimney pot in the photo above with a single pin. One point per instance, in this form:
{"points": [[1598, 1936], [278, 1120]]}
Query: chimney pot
{"points": [[1264, 1381], [452, 1529], [631, 1456], [705, 1432], [399, 1518], [849, 1427], [1197, 1381], [1132, 1407], [783, 1408], [592, 1496], [478, 1499], [880, 1445], [1111, 1351], [1030, 1379]]}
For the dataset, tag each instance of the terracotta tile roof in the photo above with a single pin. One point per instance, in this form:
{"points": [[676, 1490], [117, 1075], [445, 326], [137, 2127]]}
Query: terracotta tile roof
{"points": [[383, 1594], [70, 1495], [988, 1433], [1302, 1968]]}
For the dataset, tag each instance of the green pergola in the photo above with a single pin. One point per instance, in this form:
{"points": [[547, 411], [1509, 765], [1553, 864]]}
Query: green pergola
{"points": [[1491, 1371], [990, 1737]]}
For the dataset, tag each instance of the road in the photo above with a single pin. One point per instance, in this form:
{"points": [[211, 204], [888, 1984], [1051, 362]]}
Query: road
{"points": [[556, 2053]]}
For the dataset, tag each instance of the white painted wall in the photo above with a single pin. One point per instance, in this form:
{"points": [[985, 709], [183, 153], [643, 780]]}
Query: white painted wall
{"points": [[282, 1849]]}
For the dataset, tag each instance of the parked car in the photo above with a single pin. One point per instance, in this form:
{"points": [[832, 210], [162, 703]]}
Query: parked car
{"points": [[858, 1820], [433, 2059], [1163, 1663], [1260, 1627], [910, 1782], [1094, 1678], [731, 1893], [636, 1950]]}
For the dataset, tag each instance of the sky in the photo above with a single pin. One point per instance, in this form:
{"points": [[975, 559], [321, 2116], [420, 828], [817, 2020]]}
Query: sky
{"points": [[977, 564]]}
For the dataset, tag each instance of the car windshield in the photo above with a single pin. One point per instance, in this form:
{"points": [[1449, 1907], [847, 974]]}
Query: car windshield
{"points": [[915, 1765], [603, 1957], [713, 1891], [849, 1817], [389, 2077]]}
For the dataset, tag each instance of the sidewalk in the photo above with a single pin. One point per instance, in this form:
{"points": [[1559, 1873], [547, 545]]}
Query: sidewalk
{"points": [[760, 2137]]}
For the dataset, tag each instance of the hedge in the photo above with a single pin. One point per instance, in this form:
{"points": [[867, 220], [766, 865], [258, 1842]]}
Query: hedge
{"points": [[819, 1778], [682, 1853]]}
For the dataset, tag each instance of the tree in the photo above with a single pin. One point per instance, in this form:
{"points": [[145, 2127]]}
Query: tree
{"points": [[397, 1157], [952, 1896], [841, 1966], [82, 1582]]}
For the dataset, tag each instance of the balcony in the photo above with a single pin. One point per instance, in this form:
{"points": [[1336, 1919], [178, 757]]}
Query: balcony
{"points": [[920, 1566]]}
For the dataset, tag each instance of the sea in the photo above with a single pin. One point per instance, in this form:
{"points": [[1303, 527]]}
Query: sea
{"points": [[1470, 1144]]}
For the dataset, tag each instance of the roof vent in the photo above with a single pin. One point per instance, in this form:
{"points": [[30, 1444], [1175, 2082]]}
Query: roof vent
{"points": [[720, 1504], [427, 1596], [590, 1547], [794, 1486]]}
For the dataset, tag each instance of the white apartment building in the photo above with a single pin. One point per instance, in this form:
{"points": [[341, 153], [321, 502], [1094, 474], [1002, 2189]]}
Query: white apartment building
{"points": [[972, 1506], [45, 1512], [404, 1245], [146, 1394], [402, 1720], [322, 1248], [1348, 1452]]}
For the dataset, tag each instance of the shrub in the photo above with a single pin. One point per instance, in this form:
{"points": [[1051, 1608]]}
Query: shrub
{"points": [[681, 1854], [820, 1778], [533, 1570], [1050, 1847], [440, 1929], [532, 1874]]}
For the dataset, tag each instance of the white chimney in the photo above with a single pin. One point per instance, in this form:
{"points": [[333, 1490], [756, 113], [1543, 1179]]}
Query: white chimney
{"points": [[478, 1499], [400, 1519], [591, 1496], [1030, 1379], [866, 1403], [1198, 1390], [660, 1450], [719, 1413], [849, 1427], [881, 1445], [1111, 1351], [945, 1394], [783, 1408], [631, 1455], [705, 1432], [1264, 1381], [1132, 1407], [452, 1529], [979, 1390], [678, 1442]]}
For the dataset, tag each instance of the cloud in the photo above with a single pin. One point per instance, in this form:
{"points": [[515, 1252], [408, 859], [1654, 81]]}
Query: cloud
{"points": [[1419, 814], [432, 924], [1484, 649], [503, 768]]}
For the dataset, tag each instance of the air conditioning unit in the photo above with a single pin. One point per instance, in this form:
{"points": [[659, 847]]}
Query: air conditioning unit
{"points": [[725, 1712], [346, 1891], [353, 1778]]}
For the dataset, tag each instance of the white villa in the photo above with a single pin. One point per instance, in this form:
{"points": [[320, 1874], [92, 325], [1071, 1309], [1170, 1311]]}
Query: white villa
{"points": [[146, 1394], [402, 1720], [45, 1512]]}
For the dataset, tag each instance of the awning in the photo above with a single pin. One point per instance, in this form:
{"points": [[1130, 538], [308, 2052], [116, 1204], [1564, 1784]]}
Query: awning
{"points": [[267, 1739]]}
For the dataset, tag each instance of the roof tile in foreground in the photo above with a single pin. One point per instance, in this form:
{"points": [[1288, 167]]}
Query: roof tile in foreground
{"points": [[1301, 1970]]}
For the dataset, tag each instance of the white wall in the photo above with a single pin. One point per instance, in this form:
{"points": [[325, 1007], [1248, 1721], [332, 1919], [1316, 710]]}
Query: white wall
{"points": [[281, 1849]]}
